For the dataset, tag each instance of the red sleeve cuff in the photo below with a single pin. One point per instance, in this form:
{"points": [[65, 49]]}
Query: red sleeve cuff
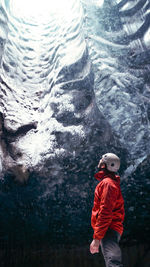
{"points": [[97, 237]]}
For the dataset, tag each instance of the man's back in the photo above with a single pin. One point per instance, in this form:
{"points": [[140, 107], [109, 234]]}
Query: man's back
{"points": [[108, 208]]}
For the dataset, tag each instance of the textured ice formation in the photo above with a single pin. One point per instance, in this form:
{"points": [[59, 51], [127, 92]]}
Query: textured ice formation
{"points": [[48, 109], [118, 34]]}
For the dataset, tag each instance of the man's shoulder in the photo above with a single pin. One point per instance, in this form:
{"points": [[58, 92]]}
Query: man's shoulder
{"points": [[108, 182], [104, 181]]}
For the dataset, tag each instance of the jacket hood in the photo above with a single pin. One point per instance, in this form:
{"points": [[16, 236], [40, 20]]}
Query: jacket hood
{"points": [[105, 173]]}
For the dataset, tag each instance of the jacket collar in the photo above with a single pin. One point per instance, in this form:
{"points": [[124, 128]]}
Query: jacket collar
{"points": [[105, 173]]}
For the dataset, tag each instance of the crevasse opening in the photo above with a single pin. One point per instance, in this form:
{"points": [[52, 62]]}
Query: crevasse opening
{"points": [[42, 37], [37, 11]]}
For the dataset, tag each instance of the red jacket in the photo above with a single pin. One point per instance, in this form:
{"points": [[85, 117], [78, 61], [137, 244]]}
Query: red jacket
{"points": [[108, 208]]}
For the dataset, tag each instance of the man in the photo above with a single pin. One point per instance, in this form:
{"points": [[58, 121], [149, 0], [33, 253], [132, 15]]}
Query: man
{"points": [[108, 211]]}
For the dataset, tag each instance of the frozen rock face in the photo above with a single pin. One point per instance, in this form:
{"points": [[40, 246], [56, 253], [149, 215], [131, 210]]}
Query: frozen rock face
{"points": [[52, 128]]}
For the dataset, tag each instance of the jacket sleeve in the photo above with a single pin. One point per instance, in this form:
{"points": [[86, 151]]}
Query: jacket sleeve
{"points": [[104, 218]]}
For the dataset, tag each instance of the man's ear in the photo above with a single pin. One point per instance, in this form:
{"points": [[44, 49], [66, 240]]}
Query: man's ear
{"points": [[102, 165]]}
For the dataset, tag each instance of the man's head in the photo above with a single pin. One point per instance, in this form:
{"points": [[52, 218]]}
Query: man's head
{"points": [[111, 161]]}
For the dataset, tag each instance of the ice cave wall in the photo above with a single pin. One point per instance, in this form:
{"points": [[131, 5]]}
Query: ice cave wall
{"points": [[48, 109], [71, 89], [119, 45]]}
